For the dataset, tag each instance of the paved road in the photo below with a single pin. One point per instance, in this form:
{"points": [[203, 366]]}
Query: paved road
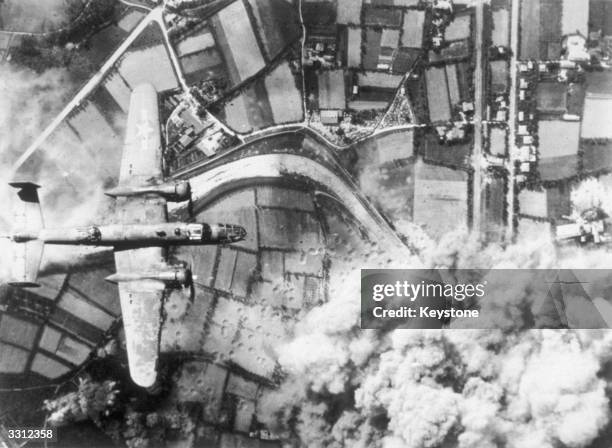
{"points": [[478, 160], [154, 15], [514, 36]]}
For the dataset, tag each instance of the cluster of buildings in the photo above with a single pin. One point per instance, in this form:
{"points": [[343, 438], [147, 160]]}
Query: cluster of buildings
{"points": [[189, 137], [563, 109], [356, 55]]}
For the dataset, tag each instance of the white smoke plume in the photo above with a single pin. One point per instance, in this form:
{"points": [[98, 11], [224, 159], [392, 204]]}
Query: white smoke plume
{"points": [[592, 192], [73, 196], [442, 388]]}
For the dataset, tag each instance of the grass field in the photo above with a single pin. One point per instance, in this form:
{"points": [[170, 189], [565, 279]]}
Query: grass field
{"points": [[251, 110], [495, 208], [558, 168], [395, 146], [550, 28], [130, 20], [348, 12], [437, 95], [499, 76], [162, 77], [596, 157], [277, 23], [459, 28], [530, 29], [119, 90], [575, 17], [283, 95], [103, 43], [465, 81], [412, 29], [381, 17], [372, 49], [199, 41], [353, 54], [238, 42], [600, 16], [453, 84], [440, 199], [501, 22], [449, 155], [203, 65]]}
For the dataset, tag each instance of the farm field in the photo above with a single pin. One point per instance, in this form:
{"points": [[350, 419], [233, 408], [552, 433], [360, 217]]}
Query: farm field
{"points": [[163, 77], [130, 20], [459, 28], [203, 65], [277, 24], [348, 12], [250, 110], [495, 208], [234, 34], [194, 43], [500, 34], [119, 90], [353, 58], [412, 29], [530, 29], [283, 95], [437, 95], [372, 49], [440, 198], [456, 155]]}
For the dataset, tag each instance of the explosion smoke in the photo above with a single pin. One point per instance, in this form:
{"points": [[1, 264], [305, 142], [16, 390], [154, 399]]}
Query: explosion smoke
{"points": [[438, 388]]}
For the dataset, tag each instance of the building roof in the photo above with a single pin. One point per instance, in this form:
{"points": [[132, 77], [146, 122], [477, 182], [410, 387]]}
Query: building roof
{"points": [[331, 90], [329, 117], [597, 120]]}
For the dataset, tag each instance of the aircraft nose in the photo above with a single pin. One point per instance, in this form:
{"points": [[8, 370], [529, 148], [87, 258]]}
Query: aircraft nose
{"points": [[236, 233]]}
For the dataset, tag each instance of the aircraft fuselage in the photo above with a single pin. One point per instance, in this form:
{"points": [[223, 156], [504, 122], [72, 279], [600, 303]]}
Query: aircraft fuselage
{"points": [[130, 235]]}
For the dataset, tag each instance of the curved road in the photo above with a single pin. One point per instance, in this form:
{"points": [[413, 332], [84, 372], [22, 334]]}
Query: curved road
{"points": [[266, 166]]}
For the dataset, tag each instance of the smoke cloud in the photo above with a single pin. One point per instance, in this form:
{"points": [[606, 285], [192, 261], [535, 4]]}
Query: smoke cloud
{"points": [[437, 388], [71, 193]]}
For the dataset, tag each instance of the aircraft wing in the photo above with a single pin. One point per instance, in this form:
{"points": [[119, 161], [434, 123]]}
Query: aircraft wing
{"points": [[141, 303], [141, 300], [141, 162]]}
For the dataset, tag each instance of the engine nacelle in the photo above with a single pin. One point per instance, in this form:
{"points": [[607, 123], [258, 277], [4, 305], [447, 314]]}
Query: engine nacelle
{"points": [[170, 275], [171, 191]]}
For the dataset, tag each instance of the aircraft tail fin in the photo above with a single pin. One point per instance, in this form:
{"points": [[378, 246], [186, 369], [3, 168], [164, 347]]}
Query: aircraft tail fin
{"points": [[28, 221]]}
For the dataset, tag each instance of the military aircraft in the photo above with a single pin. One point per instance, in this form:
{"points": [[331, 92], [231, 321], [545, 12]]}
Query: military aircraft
{"points": [[140, 236]]}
